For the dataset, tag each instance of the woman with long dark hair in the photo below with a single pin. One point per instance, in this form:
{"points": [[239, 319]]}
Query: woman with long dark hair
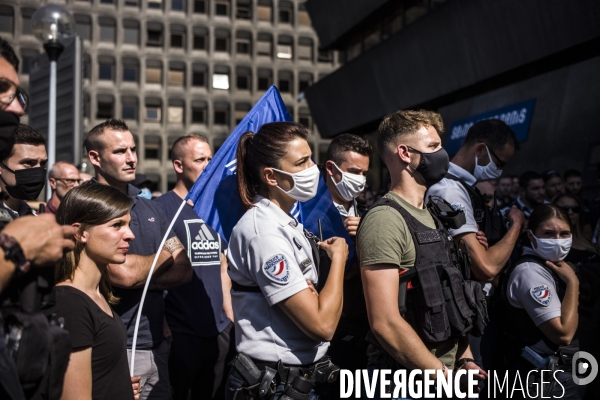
{"points": [[98, 367], [282, 325], [542, 292]]}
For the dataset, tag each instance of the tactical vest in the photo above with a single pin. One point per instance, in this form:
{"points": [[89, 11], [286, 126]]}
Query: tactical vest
{"points": [[490, 219], [519, 329], [440, 305]]}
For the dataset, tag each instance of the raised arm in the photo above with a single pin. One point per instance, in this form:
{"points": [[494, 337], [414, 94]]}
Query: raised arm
{"points": [[318, 316]]}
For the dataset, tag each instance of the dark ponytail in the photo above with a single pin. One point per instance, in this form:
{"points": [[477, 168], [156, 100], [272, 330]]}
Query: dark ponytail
{"points": [[266, 148]]}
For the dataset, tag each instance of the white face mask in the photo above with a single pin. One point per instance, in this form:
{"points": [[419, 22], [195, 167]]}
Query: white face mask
{"points": [[552, 249], [351, 184], [490, 171], [306, 183]]}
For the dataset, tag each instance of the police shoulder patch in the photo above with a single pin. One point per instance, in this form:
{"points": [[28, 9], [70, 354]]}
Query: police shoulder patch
{"points": [[277, 269], [541, 293]]}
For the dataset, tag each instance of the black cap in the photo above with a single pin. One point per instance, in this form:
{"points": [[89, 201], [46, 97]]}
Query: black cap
{"points": [[9, 123], [141, 179], [550, 174]]}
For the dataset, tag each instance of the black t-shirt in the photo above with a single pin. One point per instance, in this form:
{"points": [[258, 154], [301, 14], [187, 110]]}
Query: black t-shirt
{"points": [[148, 224], [196, 308], [90, 326]]}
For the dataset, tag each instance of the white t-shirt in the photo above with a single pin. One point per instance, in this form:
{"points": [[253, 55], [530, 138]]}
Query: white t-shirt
{"points": [[268, 249], [532, 288]]}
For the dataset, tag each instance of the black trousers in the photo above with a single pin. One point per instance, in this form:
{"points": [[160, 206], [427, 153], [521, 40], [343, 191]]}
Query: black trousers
{"points": [[199, 365]]}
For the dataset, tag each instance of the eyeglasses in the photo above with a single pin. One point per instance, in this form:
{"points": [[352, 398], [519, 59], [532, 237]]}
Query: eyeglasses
{"points": [[500, 162], [575, 209], [9, 91], [70, 182]]}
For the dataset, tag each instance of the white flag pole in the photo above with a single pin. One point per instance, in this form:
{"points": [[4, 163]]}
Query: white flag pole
{"points": [[141, 306]]}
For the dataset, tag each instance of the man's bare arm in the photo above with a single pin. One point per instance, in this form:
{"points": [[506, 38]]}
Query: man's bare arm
{"points": [[177, 272], [134, 271], [487, 263], [226, 285], [398, 338]]}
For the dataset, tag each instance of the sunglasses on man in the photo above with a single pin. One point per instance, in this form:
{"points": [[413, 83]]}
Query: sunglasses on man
{"points": [[9, 91]]}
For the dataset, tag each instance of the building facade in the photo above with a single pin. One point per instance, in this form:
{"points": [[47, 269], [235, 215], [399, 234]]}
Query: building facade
{"points": [[173, 67]]}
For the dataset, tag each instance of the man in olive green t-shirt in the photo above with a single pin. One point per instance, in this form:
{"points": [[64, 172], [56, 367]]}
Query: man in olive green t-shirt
{"points": [[410, 145]]}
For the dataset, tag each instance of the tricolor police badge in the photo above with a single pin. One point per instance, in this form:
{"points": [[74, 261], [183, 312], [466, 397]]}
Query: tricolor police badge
{"points": [[541, 293], [277, 269]]}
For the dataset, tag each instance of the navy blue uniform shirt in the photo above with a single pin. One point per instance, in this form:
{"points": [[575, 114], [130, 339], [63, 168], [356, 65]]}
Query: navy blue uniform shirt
{"points": [[196, 308]]}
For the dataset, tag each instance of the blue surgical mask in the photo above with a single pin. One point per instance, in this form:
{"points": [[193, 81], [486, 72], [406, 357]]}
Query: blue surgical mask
{"points": [[146, 194]]}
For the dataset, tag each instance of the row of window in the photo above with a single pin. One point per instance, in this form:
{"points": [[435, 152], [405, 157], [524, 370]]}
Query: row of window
{"points": [[175, 111], [222, 8]]}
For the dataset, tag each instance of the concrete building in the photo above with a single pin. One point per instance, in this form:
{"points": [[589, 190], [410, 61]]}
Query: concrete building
{"points": [[172, 67]]}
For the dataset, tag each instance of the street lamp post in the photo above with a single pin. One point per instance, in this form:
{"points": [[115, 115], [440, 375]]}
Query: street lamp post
{"points": [[53, 25]]}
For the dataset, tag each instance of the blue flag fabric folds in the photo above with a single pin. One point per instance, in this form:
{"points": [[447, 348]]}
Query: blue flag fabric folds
{"points": [[215, 194]]}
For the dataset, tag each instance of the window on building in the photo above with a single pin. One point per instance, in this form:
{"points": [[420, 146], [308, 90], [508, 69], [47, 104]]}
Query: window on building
{"points": [[107, 29], [199, 74], [131, 32], [155, 34], [26, 14], [241, 109], [286, 12], [177, 36], [106, 1], [264, 44], [200, 38], [105, 104], [265, 78], [243, 9], [325, 56], [199, 108], [7, 19], [290, 109], [152, 147], [153, 110], [243, 40], [106, 69], [304, 117], [153, 71], [175, 111], [305, 49], [87, 66], [132, 3], [155, 4], [176, 75], [284, 47], [391, 24], [221, 81], [130, 70], [371, 38], [221, 113], [285, 82], [303, 16], [264, 10], [27, 57], [222, 41], [129, 108], [411, 14], [243, 78], [305, 79], [83, 26], [178, 5], [222, 7], [200, 6]]}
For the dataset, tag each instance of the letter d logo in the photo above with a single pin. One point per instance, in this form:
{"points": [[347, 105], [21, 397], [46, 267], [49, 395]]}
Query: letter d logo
{"points": [[583, 367]]}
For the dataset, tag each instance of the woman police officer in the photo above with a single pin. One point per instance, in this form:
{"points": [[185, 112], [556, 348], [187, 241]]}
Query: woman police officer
{"points": [[282, 325], [541, 317]]}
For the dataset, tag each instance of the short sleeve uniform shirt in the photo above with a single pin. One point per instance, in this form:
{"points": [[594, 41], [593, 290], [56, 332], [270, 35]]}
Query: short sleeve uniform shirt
{"points": [[268, 249]]}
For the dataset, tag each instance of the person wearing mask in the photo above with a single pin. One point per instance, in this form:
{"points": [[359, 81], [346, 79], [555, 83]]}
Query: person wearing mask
{"points": [[23, 172], [504, 190], [541, 294], [553, 184], [409, 143], [63, 177], [98, 364], [199, 313], [281, 323], [144, 184], [488, 147], [531, 192], [112, 151]]}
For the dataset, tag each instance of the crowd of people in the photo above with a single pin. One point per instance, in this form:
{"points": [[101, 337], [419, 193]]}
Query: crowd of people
{"points": [[275, 311]]}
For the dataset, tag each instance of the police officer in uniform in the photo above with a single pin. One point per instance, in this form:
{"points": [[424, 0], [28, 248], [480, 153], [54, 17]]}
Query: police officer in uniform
{"points": [[282, 326], [541, 295], [398, 235]]}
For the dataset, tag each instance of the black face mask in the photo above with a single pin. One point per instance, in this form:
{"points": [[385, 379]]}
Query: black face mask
{"points": [[29, 183], [433, 166]]}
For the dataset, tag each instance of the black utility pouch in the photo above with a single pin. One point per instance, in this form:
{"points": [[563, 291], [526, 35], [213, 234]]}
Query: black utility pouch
{"points": [[475, 298], [430, 310], [460, 316]]}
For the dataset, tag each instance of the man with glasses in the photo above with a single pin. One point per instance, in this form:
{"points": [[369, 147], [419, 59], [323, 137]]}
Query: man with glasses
{"points": [[488, 146], [13, 99], [63, 177]]}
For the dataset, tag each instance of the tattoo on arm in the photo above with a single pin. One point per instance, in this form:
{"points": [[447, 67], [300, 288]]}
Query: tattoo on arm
{"points": [[172, 245]]}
